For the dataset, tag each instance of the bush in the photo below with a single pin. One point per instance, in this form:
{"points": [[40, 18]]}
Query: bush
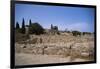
{"points": [[76, 33], [88, 33], [68, 32], [33, 41], [18, 30], [19, 37], [58, 32], [36, 28]]}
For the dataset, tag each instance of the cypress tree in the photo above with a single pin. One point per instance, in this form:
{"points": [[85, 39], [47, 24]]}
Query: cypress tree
{"points": [[17, 25], [23, 26], [30, 22]]}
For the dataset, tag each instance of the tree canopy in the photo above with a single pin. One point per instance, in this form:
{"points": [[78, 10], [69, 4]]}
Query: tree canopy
{"points": [[23, 27], [17, 25], [36, 28]]}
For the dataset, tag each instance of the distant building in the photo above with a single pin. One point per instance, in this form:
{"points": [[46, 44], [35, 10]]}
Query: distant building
{"points": [[54, 29]]}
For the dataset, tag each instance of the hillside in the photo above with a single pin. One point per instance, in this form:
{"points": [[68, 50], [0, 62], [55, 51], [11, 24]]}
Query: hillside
{"points": [[65, 46]]}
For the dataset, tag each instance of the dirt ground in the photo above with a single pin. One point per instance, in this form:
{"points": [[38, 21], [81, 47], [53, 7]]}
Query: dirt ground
{"points": [[44, 49], [31, 59]]}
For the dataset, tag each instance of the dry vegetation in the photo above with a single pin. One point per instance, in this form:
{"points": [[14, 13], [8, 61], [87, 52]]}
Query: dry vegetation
{"points": [[54, 49]]}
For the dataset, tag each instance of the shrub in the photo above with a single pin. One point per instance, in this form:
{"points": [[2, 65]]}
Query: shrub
{"points": [[19, 37], [36, 28], [76, 33], [84, 33], [33, 41], [58, 32]]}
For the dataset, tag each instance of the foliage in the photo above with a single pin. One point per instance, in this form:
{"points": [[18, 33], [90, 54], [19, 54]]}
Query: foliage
{"points": [[19, 37], [76, 33], [30, 22], [55, 28], [51, 26], [17, 25], [36, 28], [84, 33], [23, 27], [58, 32]]}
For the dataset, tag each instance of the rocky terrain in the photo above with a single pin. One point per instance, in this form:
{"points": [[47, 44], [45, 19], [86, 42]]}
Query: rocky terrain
{"points": [[43, 49]]}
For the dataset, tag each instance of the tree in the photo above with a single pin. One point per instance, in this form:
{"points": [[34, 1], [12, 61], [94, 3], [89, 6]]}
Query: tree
{"points": [[56, 28], [17, 25], [30, 22], [51, 26], [86, 33], [17, 28], [23, 26], [36, 28], [76, 33]]}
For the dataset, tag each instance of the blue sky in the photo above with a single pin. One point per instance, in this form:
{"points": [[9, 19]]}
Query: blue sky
{"points": [[72, 18]]}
